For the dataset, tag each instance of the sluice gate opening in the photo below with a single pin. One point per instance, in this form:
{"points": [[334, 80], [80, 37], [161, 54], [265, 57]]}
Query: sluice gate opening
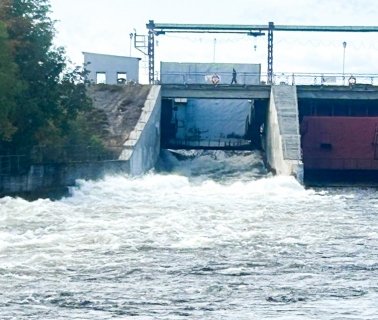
{"points": [[212, 106], [212, 124]]}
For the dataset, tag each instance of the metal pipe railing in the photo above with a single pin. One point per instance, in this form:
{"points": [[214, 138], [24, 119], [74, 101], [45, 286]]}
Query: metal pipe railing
{"points": [[249, 78]]}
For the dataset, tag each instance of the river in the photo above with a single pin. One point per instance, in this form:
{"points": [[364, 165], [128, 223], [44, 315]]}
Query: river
{"points": [[212, 236]]}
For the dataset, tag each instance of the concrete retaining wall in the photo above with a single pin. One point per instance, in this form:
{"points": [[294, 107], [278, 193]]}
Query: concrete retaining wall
{"points": [[143, 146], [283, 150], [53, 179]]}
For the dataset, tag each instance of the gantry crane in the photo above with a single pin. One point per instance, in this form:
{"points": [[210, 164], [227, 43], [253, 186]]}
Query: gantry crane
{"points": [[156, 29]]}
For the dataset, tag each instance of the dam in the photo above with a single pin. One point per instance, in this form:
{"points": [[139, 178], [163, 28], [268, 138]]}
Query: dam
{"points": [[322, 134], [319, 133], [321, 128]]}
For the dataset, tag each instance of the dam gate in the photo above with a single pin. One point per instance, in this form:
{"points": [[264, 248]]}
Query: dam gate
{"points": [[212, 106]]}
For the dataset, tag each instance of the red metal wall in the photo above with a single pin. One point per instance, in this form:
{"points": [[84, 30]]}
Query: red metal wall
{"points": [[340, 143]]}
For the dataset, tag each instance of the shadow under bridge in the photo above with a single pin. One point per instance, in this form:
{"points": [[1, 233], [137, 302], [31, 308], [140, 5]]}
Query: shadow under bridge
{"points": [[213, 117]]}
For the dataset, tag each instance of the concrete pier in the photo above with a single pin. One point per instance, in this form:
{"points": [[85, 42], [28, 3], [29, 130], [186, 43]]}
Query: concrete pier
{"points": [[283, 149], [142, 148]]}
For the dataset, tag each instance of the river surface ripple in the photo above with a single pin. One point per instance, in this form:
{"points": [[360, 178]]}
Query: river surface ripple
{"points": [[210, 237]]}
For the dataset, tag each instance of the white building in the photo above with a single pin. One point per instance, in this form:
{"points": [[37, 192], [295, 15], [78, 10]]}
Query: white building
{"points": [[111, 69]]}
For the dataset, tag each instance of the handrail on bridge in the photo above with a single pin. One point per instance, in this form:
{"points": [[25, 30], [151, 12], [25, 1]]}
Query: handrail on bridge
{"points": [[289, 78]]}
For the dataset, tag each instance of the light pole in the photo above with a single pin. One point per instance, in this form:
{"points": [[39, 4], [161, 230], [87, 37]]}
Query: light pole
{"points": [[214, 45], [344, 46], [131, 41]]}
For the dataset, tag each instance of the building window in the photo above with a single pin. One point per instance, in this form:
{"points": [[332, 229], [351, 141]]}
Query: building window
{"points": [[121, 77], [100, 77]]}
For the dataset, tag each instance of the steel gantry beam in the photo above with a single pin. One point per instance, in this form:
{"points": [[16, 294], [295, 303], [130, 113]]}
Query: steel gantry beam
{"points": [[155, 29], [270, 52], [151, 54]]}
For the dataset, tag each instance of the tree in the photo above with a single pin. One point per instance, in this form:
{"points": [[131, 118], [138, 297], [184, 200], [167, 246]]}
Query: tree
{"points": [[30, 37], [50, 97], [10, 86]]}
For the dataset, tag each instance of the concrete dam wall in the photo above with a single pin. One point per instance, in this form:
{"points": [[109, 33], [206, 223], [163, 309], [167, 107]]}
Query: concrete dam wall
{"points": [[142, 148], [137, 125]]}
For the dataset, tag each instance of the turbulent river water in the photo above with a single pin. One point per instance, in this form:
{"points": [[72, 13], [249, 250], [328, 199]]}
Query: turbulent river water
{"points": [[212, 236]]}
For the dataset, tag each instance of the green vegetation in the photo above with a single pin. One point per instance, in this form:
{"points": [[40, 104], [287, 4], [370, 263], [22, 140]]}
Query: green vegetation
{"points": [[43, 103]]}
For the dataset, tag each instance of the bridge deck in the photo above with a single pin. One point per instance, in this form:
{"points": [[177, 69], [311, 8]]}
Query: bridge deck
{"points": [[226, 91], [220, 91]]}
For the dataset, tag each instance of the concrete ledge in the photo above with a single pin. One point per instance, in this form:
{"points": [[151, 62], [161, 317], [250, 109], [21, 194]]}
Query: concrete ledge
{"points": [[142, 148], [355, 92], [53, 180], [209, 91]]}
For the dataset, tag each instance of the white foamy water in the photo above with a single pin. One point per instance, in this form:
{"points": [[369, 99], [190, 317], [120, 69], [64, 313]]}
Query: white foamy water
{"points": [[209, 237]]}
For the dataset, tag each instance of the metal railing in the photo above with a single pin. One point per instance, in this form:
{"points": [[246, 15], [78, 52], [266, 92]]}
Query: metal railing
{"points": [[74, 153], [289, 78], [335, 79], [20, 164], [211, 78], [221, 143], [13, 164]]}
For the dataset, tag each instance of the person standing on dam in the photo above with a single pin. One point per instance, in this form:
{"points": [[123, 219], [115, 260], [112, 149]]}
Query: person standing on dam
{"points": [[234, 76]]}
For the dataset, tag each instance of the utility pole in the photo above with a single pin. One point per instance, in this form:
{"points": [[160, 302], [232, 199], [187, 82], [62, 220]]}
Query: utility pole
{"points": [[131, 41], [270, 52], [215, 42], [344, 46]]}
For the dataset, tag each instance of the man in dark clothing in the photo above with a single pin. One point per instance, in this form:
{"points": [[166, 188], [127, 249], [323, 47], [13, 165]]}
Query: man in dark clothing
{"points": [[233, 76]]}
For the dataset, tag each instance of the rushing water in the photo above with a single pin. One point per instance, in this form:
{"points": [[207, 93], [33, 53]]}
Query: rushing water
{"points": [[210, 237]]}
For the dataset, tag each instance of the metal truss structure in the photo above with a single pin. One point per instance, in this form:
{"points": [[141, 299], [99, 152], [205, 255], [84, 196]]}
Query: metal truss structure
{"points": [[156, 29]]}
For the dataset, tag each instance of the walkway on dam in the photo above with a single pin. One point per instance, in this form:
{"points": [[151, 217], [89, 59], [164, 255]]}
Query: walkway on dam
{"points": [[220, 91], [262, 91]]}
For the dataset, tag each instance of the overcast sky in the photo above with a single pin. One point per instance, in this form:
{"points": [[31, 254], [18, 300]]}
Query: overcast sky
{"points": [[103, 26]]}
